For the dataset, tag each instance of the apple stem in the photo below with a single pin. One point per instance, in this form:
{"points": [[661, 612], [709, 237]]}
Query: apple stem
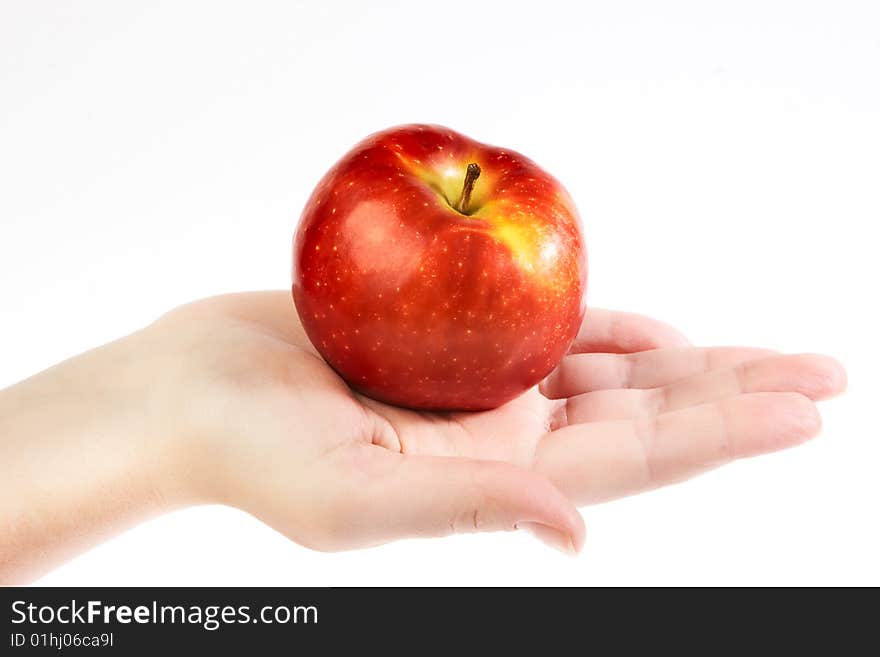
{"points": [[473, 172]]}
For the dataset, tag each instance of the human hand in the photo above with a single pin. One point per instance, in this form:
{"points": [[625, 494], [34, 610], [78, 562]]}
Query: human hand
{"points": [[257, 420], [225, 401]]}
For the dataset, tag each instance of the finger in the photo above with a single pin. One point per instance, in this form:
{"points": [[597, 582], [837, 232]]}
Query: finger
{"points": [[437, 496], [618, 332], [814, 376], [580, 373], [605, 460]]}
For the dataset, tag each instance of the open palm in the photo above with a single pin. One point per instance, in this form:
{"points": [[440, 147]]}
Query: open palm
{"points": [[631, 407]]}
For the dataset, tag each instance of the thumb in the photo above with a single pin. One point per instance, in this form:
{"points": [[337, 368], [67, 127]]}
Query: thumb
{"points": [[437, 496]]}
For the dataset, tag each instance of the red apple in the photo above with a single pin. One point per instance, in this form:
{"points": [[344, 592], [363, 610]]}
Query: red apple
{"points": [[435, 272]]}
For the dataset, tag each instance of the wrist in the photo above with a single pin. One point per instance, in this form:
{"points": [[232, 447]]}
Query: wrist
{"points": [[161, 414], [78, 467]]}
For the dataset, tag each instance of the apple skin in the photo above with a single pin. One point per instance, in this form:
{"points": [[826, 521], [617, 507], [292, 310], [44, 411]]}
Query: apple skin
{"points": [[418, 305]]}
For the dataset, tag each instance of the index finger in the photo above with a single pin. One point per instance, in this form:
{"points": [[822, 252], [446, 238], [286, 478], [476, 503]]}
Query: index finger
{"points": [[599, 461]]}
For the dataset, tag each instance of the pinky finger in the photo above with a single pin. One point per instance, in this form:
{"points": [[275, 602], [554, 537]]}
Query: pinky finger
{"points": [[612, 331]]}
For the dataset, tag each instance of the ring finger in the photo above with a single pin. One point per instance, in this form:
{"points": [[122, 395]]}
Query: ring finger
{"points": [[814, 376]]}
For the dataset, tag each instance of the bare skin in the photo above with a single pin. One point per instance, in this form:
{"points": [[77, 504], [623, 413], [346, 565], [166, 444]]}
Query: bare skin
{"points": [[225, 401]]}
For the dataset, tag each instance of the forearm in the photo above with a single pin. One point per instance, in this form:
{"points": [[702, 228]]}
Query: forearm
{"points": [[78, 462]]}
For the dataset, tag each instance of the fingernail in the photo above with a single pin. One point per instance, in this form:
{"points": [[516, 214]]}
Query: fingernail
{"points": [[550, 537]]}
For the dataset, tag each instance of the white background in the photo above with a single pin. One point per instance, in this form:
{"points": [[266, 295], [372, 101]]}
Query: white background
{"points": [[725, 157]]}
